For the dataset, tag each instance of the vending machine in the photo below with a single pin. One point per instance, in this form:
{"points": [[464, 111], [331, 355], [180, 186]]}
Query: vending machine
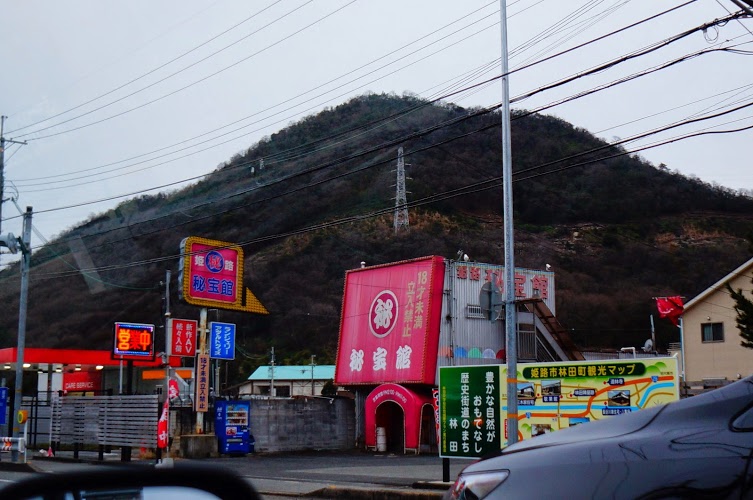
{"points": [[231, 426]]}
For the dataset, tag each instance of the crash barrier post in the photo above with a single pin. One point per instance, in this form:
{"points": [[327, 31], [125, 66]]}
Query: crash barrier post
{"points": [[13, 444]]}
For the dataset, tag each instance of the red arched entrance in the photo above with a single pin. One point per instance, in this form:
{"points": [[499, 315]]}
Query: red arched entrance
{"points": [[398, 410], [391, 417]]}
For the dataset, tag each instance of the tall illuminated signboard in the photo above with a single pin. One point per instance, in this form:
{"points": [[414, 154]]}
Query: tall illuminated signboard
{"points": [[134, 341], [212, 273]]}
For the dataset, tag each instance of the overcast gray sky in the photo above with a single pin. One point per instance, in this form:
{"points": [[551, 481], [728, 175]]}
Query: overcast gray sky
{"points": [[116, 98]]}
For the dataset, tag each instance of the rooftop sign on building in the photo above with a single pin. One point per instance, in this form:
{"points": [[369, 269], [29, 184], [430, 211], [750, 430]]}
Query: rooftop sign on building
{"points": [[389, 330]]}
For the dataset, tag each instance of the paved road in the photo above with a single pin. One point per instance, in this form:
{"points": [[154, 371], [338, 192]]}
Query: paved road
{"points": [[311, 475]]}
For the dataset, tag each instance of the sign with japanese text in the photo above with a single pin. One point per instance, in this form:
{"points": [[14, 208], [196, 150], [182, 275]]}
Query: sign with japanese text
{"points": [[469, 407], [528, 283], [163, 425], [183, 337], [551, 396], [3, 405], [211, 273], [201, 401], [82, 381], [134, 341], [554, 396], [173, 391], [221, 340], [389, 329]]}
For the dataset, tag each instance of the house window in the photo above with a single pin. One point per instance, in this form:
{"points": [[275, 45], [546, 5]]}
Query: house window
{"points": [[712, 332]]}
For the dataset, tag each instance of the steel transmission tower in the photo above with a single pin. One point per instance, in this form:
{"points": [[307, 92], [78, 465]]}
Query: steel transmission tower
{"points": [[401, 202]]}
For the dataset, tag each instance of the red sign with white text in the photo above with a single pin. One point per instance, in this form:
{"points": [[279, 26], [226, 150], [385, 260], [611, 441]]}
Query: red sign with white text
{"points": [[389, 330], [183, 337], [82, 381]]}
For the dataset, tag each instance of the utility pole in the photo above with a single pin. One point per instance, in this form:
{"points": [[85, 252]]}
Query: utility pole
{"points": [[313, 364], [168, 324], [401, 201], [25, 245], [272, 375], [3, 140], [511, 317], [201, 357]]}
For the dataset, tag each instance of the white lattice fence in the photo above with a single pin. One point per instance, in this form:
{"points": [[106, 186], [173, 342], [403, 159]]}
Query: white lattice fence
{"points": [[106, 420]]}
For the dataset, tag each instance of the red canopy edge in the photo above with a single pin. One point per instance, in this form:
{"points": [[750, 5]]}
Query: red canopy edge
{"points": [[38, 355]]}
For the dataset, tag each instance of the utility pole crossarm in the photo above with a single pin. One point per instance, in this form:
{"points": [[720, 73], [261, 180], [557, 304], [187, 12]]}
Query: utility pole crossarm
{"points": [[3, 140]]}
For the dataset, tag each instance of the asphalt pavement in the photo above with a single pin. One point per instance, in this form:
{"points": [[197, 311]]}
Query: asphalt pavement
{"points": [[301, 475]]}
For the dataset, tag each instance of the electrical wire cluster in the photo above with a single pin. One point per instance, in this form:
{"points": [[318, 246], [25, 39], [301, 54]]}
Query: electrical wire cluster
{"points": [[538, 49]]}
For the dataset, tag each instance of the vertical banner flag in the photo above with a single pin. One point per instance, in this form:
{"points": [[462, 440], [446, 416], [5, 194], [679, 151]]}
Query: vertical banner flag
{"points": [[173, 391], [670, 307], [162, 425]]}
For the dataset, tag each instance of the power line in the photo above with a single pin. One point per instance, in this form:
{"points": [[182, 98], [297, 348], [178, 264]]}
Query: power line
{"points": [[469, 189], [196, 152], [193, 145], [191, 140], [144, 75], [196, 82]]}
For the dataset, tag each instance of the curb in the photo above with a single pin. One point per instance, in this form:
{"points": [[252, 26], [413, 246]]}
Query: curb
{"points": [[371, 494], [432, 485], [15, 467], [89, 461]]}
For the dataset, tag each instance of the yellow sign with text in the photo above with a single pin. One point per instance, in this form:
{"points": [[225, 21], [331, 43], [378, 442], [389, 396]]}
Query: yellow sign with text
{"points": [[553, 396]]}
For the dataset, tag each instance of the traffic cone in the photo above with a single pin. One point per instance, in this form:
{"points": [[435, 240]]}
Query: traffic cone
{"points": [[49, 452]]}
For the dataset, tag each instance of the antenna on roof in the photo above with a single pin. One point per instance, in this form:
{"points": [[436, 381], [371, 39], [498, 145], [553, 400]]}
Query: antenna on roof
{"points": [[648, 345]]}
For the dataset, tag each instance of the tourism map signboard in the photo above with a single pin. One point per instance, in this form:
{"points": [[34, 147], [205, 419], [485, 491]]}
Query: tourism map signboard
{"points": [[551, 396]]}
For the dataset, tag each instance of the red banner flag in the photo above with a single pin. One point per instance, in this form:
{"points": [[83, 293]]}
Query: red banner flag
{"points": [[162, 425], [670, 307]]}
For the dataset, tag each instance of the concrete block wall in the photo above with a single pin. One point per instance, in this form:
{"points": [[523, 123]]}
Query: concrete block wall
{"points": [[299, 424]]}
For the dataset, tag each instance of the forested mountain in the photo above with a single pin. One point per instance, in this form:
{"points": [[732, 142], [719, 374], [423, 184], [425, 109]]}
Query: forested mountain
{"points": [[317, 199]]}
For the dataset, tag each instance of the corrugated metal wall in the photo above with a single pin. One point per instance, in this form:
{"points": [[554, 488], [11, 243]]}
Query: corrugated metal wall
{"points": [[467, 334]]}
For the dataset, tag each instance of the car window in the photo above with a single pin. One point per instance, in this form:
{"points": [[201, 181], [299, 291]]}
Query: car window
{"points": [[744, 422]]}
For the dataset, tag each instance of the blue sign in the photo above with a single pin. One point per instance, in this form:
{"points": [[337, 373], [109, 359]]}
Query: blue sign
{"points": [[221, 340], [3, 405]]}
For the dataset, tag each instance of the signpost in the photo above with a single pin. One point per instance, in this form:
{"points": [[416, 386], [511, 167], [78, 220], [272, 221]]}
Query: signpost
{"points": [[211, 275]]}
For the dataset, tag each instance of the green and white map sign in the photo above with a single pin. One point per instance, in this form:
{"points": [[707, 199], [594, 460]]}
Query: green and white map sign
{"points": [[551, 396]]}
